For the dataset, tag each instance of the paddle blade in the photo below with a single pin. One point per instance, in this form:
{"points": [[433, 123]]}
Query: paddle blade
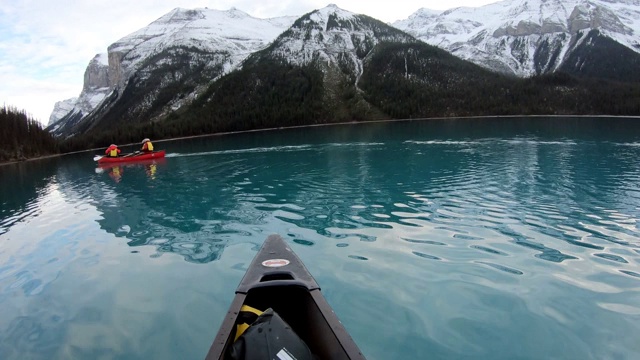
{"points": [[97, 157]]}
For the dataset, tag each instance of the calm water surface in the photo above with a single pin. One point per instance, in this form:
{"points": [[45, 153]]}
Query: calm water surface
{"points": [[457, 239]]}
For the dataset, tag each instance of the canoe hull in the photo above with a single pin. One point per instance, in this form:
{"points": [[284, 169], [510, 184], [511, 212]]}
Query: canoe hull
{"points": [[120, 159], [293, 293]]}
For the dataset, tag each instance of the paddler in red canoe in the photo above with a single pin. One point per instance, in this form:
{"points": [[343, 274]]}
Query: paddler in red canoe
{"points": [[112, 151], [147, 146]]}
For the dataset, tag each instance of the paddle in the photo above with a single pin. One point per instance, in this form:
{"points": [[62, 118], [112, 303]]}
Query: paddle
{"points": [[132, 154], [97, 157]]}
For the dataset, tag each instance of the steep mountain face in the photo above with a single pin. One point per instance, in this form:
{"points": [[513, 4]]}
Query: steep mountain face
{"points": [[333, 36], [335, 66], [69, 113], [164, 66], [309, 74], [204, 71], [337, 43], [60, 109], [532, 37]]}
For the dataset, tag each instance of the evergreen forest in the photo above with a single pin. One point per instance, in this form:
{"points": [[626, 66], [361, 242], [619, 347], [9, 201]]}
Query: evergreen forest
{"points": [[22, 137], [398, 81]]}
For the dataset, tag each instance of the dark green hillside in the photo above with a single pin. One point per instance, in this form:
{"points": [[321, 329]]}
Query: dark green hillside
{"points": [[601, 57], [23, 137], [271, 92], [165, 78], [418, 80], [390, 75], [268, 93], [399, 81]]}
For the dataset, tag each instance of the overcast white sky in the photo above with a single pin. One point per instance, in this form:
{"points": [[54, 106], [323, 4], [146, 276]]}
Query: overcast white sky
{"points": [[46, 45]]}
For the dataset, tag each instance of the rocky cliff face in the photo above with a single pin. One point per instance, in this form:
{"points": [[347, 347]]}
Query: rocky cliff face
{"points": [[184, 44], [97, 74], [336, 40], [169, 64], [61, 109], [526, 37], [95, 89], [310, 74]]}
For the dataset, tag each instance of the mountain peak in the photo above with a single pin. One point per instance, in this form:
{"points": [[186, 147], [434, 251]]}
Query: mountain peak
{"points": [[212, 41], [180, 15], [236, 13], [525, 37], [331, 11], [333, 36]]}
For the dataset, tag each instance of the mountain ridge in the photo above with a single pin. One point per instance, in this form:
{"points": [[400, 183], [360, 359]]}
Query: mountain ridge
{"points": [[187, 56], [232, 34], [512, 36]]}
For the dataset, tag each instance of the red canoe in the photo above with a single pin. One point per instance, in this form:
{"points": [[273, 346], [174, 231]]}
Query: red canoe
{"points": [[131, 157]]}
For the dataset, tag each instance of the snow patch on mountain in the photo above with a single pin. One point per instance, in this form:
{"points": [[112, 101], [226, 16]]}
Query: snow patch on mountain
{"points": [[233, 33], [508, 35], [332, 35], [60, 109]]}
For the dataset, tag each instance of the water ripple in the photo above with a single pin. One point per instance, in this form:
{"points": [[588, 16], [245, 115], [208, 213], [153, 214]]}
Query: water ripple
{"points": [[488, 250], [425, 256], [612, 258], [428, 242], [495, 240], [501, 268]]}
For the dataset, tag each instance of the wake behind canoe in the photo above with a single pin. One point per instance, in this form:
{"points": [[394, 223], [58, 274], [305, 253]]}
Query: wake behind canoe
{"points": [[277, 279]]}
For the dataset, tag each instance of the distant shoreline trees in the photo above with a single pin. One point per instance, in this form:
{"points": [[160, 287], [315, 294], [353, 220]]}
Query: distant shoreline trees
{"points": [[22, 137]]}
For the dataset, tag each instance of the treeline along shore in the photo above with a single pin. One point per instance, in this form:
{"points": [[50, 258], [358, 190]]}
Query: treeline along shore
{"points": [[22, 137]]}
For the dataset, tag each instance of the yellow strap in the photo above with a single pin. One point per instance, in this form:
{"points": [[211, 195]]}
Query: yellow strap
{"points": [[241, 328], [250, 309]]}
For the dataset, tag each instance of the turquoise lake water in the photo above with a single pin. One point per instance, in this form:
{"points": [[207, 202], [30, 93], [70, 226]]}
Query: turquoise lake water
{"points": [[443, 239]]}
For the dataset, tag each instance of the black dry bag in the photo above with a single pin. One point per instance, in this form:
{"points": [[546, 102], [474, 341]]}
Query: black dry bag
{"points": [[269, 337]]}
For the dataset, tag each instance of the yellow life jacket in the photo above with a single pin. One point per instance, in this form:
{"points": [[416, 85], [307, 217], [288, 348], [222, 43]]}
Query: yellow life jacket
{"points": [[113, 152], [149, 146]]}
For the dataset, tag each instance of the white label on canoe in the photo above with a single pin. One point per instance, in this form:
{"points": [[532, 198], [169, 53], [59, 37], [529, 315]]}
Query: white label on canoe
{"points": [[284, 355], [274, 263]]}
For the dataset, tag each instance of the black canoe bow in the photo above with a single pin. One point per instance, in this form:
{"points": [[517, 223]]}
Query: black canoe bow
{"points": [[278, 279]]}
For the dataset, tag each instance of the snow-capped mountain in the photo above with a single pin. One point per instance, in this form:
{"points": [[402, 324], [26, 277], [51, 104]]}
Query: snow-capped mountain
{"points": [[225, 70], [96, 87], [530, 37], [329, 34], [333, 66], [335, 39], [232, 32], [183, 45], [310, 73], [61, 109]]}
